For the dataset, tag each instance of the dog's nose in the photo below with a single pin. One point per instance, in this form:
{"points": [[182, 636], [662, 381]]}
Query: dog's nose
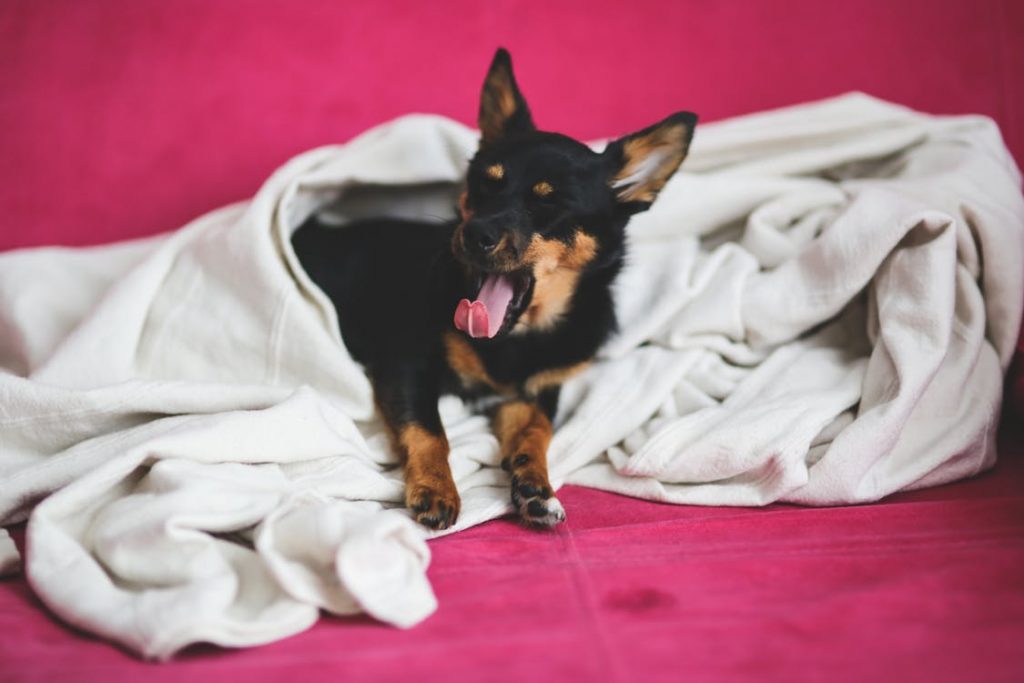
{"points": [[482, 239], [485, 243]]}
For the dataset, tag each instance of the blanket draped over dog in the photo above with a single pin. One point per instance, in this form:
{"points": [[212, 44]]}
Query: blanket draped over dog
{"points": [[818, 310]]}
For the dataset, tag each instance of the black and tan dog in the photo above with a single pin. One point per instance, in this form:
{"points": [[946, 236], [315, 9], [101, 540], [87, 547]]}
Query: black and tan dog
{"points": [[525, 276]]}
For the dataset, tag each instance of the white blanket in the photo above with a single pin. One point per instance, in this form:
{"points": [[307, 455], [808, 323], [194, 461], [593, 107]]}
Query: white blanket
{"points": [[818, 310]]}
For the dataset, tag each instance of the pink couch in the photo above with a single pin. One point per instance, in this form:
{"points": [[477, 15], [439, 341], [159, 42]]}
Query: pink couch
{"points": [[122, 119]]}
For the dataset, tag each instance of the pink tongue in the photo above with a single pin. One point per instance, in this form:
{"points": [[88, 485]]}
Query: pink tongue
{"points": [[483, 317]]}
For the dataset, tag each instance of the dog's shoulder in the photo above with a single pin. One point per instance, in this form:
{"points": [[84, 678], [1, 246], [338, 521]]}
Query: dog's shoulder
{"points": [[390, 281]]}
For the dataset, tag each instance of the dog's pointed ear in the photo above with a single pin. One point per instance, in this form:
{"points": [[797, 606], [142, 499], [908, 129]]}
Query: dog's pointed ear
{"points": [[502, 107], [643, 162]]}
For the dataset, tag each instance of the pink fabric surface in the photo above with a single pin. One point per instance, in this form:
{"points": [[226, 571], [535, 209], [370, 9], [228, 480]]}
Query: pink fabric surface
{"points": [[126, 118], [926, 585]]}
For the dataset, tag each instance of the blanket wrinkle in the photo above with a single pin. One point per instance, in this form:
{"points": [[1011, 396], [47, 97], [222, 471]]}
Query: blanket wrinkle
{"points": [[818, 310]]}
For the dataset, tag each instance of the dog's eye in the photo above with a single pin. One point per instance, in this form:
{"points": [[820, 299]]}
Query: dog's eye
{"points": [[486, 186]]}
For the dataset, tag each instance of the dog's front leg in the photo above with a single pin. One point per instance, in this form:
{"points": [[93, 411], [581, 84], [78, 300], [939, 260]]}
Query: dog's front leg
{"points": [[407, 397], [524, 430]]}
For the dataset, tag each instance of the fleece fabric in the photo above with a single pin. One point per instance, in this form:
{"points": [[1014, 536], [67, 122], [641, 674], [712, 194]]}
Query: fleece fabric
{"points": [[818, 309]]}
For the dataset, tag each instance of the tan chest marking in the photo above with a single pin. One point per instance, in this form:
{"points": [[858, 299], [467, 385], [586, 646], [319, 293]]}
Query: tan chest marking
{"points": [[553, 378], [470, 369], [556, 270], [468, 365]]}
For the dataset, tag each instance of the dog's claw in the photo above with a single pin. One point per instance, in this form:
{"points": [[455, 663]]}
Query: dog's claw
{"points": [[536, 504], [433, 509]]}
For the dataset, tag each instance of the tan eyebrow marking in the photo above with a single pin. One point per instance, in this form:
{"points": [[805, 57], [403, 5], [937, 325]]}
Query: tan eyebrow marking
{"points": [[495, 171], [543, 189]]}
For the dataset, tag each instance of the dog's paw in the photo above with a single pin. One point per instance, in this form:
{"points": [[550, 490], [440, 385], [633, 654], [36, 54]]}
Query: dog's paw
{"points": [[435, 506], [534, 501]]}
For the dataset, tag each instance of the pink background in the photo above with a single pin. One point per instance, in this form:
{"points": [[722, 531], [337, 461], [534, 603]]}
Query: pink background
{"points": [[126, 118], [121, 119]]}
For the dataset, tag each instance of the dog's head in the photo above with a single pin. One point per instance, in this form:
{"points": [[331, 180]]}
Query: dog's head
{"points": [[541, 210]]}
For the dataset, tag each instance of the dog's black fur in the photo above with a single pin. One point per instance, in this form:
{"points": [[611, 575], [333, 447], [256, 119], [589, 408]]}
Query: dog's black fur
{"points": [[549, 214]]}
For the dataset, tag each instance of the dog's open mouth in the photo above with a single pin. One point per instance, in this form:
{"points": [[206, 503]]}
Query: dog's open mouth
{"points": [[500, 299]]}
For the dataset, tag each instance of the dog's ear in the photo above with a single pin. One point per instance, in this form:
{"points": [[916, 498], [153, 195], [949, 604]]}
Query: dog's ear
{"points": [[643, 162], [502, 107]]}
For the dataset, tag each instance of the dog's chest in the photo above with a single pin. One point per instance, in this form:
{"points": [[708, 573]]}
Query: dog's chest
{"points": [[505, 379]]}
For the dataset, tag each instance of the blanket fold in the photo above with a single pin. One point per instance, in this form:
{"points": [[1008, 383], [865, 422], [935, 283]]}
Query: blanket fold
{"points": [[818, 310]]}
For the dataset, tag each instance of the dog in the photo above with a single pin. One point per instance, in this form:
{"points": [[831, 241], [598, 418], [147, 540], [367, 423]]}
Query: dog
{"points": [[502, 304]]}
